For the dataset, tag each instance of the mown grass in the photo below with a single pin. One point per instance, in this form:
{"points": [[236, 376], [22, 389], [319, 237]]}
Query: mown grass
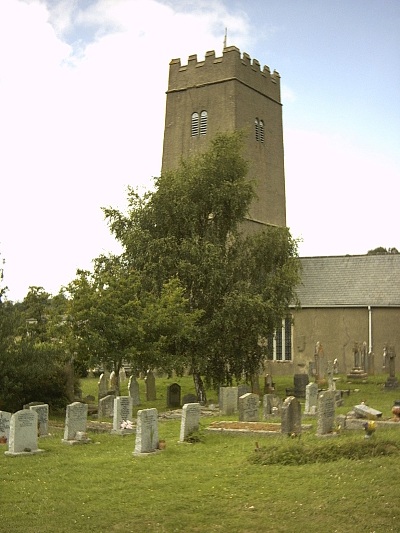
{"points": [[211, 486]]}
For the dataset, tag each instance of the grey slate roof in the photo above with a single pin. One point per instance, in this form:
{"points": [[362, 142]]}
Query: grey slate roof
{"points": [[350, 281]]}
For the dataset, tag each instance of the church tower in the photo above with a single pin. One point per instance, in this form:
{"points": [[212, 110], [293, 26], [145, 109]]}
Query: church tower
{"points": [[225, 94]]}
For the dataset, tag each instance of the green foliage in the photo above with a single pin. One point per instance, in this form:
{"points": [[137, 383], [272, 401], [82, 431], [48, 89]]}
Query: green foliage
{"points": [[383, 251], [332, 449], [189, 228]]}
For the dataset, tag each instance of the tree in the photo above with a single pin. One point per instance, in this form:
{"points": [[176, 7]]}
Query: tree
{"points": [[382, 251], [112, 319], [189, 227]]}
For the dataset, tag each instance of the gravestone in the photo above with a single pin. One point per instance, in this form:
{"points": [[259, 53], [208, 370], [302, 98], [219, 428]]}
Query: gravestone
{"points": [[106, 406], [113, 381], [269, 385], [228, 400], [272, 405], [43, 418], [190, 420], [390, 359], [102, 386], [122, 375], [122, 415], [300, 382], [291, 416], [146, 432], [75, 424], [5, 418], [189, 398], [310, 407], [133, 389], [150, 382], [174, 395], [248, 407], [326, 413], [364, 411], [23, 436]]}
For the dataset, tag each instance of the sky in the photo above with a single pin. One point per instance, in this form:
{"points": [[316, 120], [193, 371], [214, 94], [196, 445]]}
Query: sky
{"points": [[82, 105]]}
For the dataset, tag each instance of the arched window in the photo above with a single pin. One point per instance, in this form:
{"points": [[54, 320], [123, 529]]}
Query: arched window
{"points": [[257, 130], [261, 131], [203, 122], [195, 124]]}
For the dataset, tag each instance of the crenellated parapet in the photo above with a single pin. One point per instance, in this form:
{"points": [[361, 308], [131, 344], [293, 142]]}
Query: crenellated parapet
{"points": [[232, 65]]}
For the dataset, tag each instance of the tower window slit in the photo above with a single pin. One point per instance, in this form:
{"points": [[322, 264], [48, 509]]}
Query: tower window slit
{"points": [[195, 124], [203, 123]]}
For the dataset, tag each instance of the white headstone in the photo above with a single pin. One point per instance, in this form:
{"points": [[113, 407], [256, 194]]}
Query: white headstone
{"points": [[146, 431], [248, 407], [122, 415], [133, 389], [5, 418], [43, 418], [75, 423], [310, 407], [228, 400], [113, 380], [190, 419], [23, 433]]}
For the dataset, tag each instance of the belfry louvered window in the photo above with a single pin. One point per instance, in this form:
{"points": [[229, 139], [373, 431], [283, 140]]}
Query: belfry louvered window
{"points": [[203, 122], [259, 130], [195, 124]]}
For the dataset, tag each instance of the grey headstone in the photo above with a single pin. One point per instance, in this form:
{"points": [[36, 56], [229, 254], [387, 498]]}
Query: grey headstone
{"points": [[106, 406], [43, 418], [133, 389], [5, 418], [326, 413], [102, 386], [291, 416], [228, 400], [311, 399], [75, 420], [272, 405], [150, 382], [249, 407]]}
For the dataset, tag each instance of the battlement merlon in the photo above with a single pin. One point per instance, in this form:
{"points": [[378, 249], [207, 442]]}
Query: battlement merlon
{"points": [[232, 65]]}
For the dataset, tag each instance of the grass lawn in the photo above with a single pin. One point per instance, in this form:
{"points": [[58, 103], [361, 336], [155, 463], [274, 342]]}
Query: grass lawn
{"points": [[211, 486]]}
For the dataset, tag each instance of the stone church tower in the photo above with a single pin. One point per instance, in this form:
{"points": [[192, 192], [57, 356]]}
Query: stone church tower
{"points": [[223, 94]]}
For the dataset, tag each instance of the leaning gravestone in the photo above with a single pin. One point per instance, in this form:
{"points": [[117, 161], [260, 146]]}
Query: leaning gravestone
{"points": [[190, 420], [291, 416], [228, 400], [326, 413], [23, 433], [272, 405], [106, 406], [310, 407], [122, 415], [150, 382], [43, 418], [146, 432], [5, 418], [174, 395], [248, 407], [133, 389], [75, 424], [102, 386]]}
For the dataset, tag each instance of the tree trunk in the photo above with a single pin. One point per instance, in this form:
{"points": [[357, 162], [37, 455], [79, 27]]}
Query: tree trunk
{"points": [[199, 387]]}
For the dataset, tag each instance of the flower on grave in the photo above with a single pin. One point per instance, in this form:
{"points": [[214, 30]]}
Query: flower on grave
{"points": [[369, 428], [126, 424]]}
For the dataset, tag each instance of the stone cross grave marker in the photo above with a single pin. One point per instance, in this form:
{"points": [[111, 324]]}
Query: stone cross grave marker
{"points": [[150, 382], [174, 395], [75, 423], [146, 432], [228, 400], [5, 418], [133, 389], [326, 412], [310, 407], [272, 405], [190, 420], [102, 386], [291, 416], [248, 407], [43, 418], [106, 406], [122, 413], [23, 438]]}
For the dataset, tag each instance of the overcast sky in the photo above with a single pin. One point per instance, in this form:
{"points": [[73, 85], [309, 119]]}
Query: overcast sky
{"points": [[82, 101]]}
